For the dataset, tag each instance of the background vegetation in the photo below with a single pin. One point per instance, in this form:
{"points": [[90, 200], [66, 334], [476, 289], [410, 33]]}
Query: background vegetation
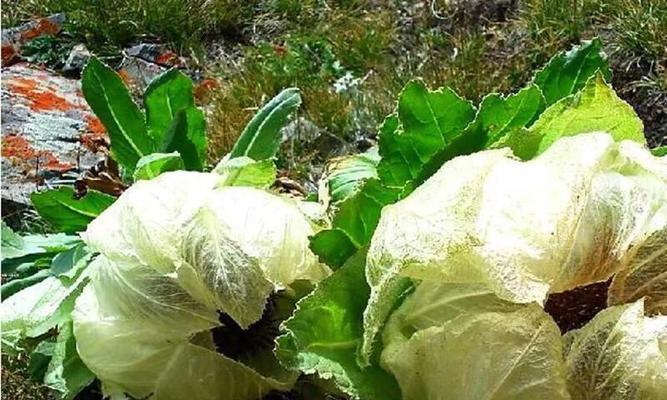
{"points": [[351, 57]]}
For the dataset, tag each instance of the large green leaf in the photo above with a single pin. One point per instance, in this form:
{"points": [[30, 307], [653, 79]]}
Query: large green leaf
{"points": [[65, 212], [16, 285], [69, 263], [499, 115], [107, 95], [567, 72], [18, 252], [496, 117], [261, 137], [66, 373], [10, 239], [167, 94], [354, 223], [344, 176], [596, 108], [426, 122], [332, 246], [39, 308], [187, 136], [40, 359], [155, 164], [324, 333]]}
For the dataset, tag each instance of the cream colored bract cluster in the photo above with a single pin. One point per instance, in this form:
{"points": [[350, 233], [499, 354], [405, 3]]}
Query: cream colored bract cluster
{"points": [[174, 251]]}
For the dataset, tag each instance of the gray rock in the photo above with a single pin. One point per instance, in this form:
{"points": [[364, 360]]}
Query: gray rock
{"points": [[48, 131], [138, 72], [77, 59], [14, 38]]}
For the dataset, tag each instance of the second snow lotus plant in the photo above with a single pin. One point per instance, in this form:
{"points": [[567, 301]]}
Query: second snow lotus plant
{"points": [[425, 271]]}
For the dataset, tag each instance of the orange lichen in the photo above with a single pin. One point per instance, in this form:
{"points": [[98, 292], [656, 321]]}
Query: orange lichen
{"points": [[38, 98], [19, 149], [51, 162], [94, 125], [43, 27], [95, 136], [8, 54], [125, 77], [167, 58]]}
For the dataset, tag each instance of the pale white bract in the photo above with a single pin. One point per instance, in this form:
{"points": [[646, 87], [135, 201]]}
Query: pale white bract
{"points": [[175, 250], [524, 229]]}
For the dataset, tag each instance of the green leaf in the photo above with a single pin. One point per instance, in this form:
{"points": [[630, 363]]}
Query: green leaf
{"points": [[244, 171], [155, 164], [10, 239], [167, 94], [65, 212], [596, 108], [325, 331], [69, 262], [660, 151], [497, 116], [107, 95], [567, 72], [187, 136], [358, 216], [261, 137], [39, 308], [66, 373], [40, 359], [332, 246], [344, 176], [29, 245], [427, 124], [428, 121], [16, 285], [354, 223]]}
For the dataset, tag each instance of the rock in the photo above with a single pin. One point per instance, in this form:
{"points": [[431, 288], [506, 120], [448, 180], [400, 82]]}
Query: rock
{"points": [[14, 38], [145, 61], [47, 130], [138, 73], [156, 54], [301, 129], [77, 59]]}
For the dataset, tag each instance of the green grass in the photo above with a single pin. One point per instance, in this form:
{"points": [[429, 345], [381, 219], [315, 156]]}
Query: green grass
{"points": [[474, 50], [105, 24], [474, 47]]}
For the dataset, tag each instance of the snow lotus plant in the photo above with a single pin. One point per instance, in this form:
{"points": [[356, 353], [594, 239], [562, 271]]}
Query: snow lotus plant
{"points": [[449, 253], [175, 251], [497, 235], [428, 270], [164, 281]]}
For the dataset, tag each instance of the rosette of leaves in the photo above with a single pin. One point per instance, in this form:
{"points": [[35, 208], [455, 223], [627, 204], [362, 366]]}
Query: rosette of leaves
{"points": [[445, 254], [61, 287]]}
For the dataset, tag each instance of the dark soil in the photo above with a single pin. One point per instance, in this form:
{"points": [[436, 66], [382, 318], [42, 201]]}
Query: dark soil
{"points": [[574, 308]]}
